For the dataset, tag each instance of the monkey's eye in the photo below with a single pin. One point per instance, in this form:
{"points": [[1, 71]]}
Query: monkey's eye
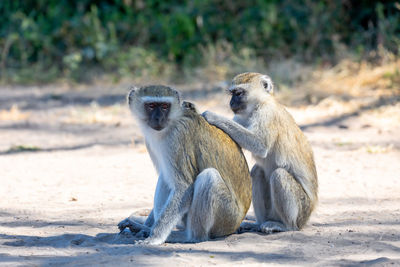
{"points": [[165, 106], [150, 105], [238, 93]]}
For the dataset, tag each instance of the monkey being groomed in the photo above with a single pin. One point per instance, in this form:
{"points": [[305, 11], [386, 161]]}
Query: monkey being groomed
{"points": [[284, 178], [204, 179]]}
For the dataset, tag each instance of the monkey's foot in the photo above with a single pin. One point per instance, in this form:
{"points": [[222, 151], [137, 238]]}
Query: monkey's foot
{"points": [[133, 226], [143, 234], [270, 227], [247, 227], [151, 241]]}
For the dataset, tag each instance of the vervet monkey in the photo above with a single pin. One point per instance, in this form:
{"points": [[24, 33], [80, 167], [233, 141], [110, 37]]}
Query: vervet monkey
{"points": [[203, 179], [284, 178]]}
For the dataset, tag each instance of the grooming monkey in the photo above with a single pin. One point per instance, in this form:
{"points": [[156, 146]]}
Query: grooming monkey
{"points": [[203, 179], [284, 178]]}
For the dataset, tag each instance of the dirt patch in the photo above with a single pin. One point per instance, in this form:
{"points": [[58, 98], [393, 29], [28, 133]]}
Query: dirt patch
{"points": [[61, 202]]}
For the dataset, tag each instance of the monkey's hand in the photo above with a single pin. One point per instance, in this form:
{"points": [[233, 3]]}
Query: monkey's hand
{"points": [[244, 137], [211, 118]]}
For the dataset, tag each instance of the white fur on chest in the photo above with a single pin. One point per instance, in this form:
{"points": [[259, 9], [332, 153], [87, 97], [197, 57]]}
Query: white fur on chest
{"points": [[268, 164], [160, 150]]}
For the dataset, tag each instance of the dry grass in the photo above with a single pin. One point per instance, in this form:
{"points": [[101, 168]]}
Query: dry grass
{"points": [[358, 79], [344, 89], [23, 148], [376, 149], [13, 114], [95, 114]]}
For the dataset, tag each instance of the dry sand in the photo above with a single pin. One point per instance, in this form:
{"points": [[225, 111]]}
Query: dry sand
{"points": [[60, 204]]}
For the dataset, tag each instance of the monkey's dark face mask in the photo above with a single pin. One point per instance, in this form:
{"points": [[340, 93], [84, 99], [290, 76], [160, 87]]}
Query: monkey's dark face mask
{"points": [[157, 114], [239, 100]]}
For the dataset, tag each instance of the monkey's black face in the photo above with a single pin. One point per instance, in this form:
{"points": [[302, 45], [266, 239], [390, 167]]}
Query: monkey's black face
{"points": [[157, 114], [238, 100]]}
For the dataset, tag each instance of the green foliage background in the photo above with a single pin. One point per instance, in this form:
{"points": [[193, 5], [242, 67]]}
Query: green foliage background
{"points": [[42, 40]]}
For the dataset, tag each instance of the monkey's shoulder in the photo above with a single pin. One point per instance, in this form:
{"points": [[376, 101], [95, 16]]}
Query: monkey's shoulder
{"points": [[199, 128]]}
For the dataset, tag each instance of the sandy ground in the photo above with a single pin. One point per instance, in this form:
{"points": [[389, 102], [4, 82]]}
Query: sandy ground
{"points": [[88, 169]]}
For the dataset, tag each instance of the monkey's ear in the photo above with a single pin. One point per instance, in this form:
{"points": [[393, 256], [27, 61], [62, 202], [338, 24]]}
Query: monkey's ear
{"points": [[178, 96], [267, 84], [132, 91], [189, 106]]}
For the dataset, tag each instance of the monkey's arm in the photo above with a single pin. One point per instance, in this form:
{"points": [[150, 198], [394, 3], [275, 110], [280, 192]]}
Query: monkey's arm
{"points": [[245, 138], [160, 197], [177, 204], [150, 219], [140, 228]]}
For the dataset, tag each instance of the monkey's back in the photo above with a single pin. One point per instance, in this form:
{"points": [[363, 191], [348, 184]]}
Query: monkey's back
{"points": [[298, 153], [213, 148]]}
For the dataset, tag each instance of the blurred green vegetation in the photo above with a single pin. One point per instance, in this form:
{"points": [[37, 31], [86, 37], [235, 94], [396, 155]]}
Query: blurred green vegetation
{"points": [[43, 40]]}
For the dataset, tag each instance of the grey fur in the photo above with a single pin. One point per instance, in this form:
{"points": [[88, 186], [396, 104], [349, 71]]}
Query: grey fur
{"points": [[285, 183], [245, 138], [203, 175]]}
